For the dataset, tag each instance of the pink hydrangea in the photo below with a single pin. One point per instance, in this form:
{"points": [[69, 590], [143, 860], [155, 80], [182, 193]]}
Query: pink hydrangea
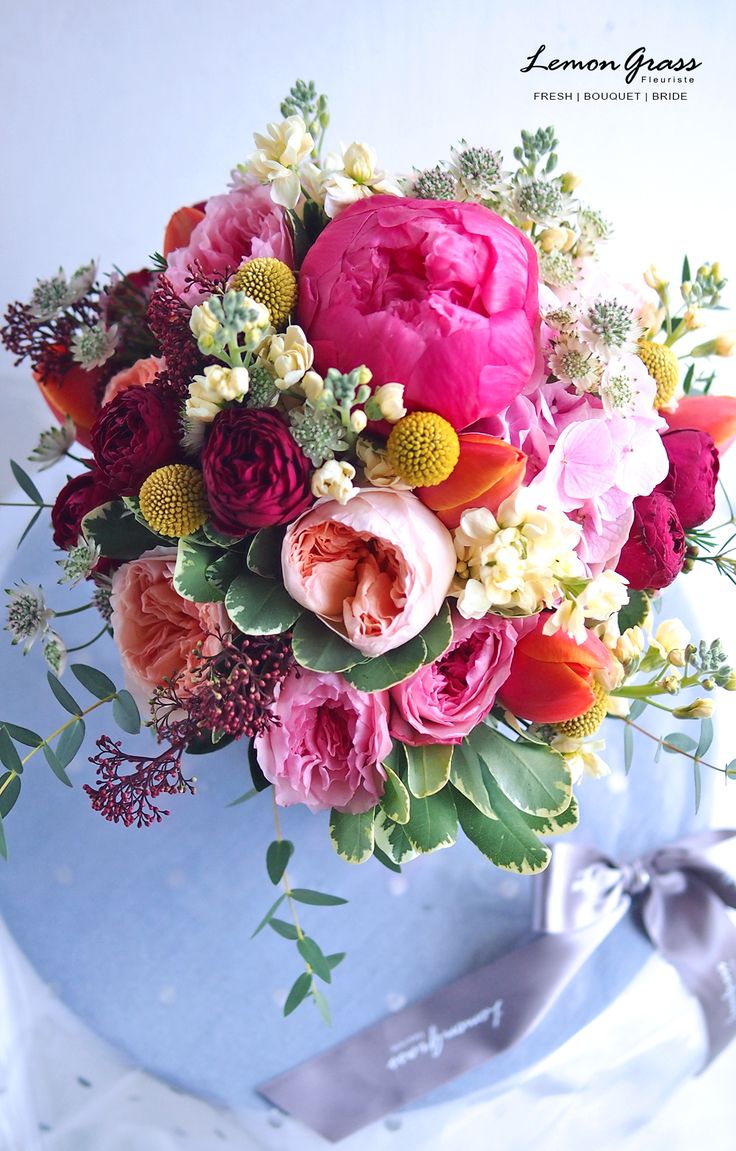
{"points": [[328, 744], [237, 226]]}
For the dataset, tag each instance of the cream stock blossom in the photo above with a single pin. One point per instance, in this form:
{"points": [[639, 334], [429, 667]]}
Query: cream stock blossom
{"points": [[390, 399], [289, 356], [279, 157], [671, 636], [219, 385], [516, 561], [334, 479], [352, 176], [377, 469]]}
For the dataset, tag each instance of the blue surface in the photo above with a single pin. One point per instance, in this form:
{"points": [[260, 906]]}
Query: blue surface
{"points": [[146, 933]]}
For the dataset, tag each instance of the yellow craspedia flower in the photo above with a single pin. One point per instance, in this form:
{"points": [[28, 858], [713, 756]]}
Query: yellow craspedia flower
{"points": [[269, 282], [423, 449], [172, 500], [591, 719], [661, 363]]}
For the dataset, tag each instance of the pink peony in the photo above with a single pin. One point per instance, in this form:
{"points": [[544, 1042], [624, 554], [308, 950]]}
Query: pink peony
{"points": [[155, 629], [376, 570], [327, 750], [242, 224], [441, 297], [139, 374], [444, 701]]}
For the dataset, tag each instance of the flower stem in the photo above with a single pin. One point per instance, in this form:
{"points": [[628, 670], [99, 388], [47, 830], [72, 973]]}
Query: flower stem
{"points": [[82, 646], [69, 722], [7, 504], [73, 611], [285, 878], [672, 746]]}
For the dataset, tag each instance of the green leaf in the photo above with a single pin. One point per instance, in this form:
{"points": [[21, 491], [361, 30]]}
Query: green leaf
{"points": [[316, 898], [264, 553], [69, 743], [311, 953], [9, 792], [56, 766], [466, 775], [190, 573], [221, 572], [686, 277], [25, 482], [534, 778], [429, 768], [9, 752], [299, 991], [259, 606], [628, 748], [395, 800], [352, 835], [635, 611], [507, 841], [385, 860], [221, 539], [391, 838], [678, 742], [269, 915], [335, 959], [29, 525], [698, 781], [386, 670], [3, 841], [22, 734], [277, 859], [706, 737], [637, 707], [96, 682], [433, 822], [322, 1005], [320, 648], [437, 635], [554, 824], [687, 382], [117, 532], [281, 927], [125, 712], [244, 798], [66, 700]]}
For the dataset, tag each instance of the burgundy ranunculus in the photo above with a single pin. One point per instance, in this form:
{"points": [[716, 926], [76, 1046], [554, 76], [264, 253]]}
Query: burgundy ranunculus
{"points": [[691, 480], [654, 554], [254, 472], [80, 495], [137, 432]]}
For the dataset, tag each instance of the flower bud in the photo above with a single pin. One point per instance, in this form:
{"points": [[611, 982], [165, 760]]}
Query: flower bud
{"points": [[698, 709], [725, 344], [390, 400], [654, 278], [671, 636], [365, 375], [693, 319], [570, 181], [358, 421], [313, 386], [730, 684]]}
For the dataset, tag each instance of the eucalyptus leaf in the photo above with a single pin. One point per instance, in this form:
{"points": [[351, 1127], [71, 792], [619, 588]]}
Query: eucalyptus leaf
{"points": [[264, 553], [316, 898], [312, 954], [395, 800], [698, 782], [10, 786], [628, 748], [260, 606], [67, 701], [677, 741], [96, 682], [22, 734], [284, 929], [534, 778], [336, 958], [118, 533], [706, 737], [299, 991], [466, 774], [507, 841], [277, 859], [319, 648], [125, 712], [322, 1005], [433, 822], [352, 835], [69, 742], [269, 915], [3, 841], [25, 482], [190, 573], [56, 766], [429, 768], [391, 668], [29, 525], [9, 752]]}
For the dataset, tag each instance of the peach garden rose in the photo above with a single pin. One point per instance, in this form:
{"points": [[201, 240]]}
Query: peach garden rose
{"points": [[376, 569]]}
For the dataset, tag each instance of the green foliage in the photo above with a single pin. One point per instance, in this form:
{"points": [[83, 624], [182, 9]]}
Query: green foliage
{"points": [[507, 841], [96, 682], [391, 668], [10, 785], [395, 801], [260, 606], [352, 835], [635, 611], [222, 571], [264, 553], [437, 635], [534, 778], [118, 533], [466, 775], [25, 482], [428, 768], [8, 752], [433, 822], [193, 561], [318, 647], [277, 859], [125, 712], [65, 698]]}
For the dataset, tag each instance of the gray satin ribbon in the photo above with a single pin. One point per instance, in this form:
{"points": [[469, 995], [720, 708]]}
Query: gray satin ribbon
{"points": [[682, 893]]}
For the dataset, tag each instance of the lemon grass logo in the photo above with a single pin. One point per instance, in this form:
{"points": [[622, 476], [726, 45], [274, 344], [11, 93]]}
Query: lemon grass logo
{"points": [[639, 66]]}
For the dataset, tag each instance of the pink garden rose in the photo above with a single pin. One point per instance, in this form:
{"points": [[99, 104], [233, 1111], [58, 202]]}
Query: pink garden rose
{"points": [[155, 629], [445, 700], [139, 374], [327, 750], [376, 569], [242, 224], [439, 296]]}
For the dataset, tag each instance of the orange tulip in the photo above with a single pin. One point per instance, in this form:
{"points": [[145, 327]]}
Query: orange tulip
{"points": [[487, 471], [713, 414], [551, 675], [180, 227], [74, 393]]}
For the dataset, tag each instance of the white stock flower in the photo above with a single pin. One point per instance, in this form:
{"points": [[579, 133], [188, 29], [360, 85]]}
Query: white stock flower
{"points": [[279, 156], [219, 385], [334, 479], [289, 355], [203, 321], [377, 469], [352, 176], [605, 594], [582, 756], [671, 636]]}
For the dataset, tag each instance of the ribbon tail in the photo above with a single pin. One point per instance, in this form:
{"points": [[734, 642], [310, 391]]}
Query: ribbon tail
{"points": [[427, 1044]]}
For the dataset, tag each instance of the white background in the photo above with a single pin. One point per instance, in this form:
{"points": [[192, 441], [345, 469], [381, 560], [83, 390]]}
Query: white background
{"points": [[115, 114]]}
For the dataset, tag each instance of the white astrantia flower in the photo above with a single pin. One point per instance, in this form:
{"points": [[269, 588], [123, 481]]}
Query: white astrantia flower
{"points": [[353, 175], [81, 282], [573, 362], [27, 615], [334, 479], [79, 561], [516, 562], [289, 355], [218, 385], [278, 158], [55, 653], [53, 445], [93, 346]]}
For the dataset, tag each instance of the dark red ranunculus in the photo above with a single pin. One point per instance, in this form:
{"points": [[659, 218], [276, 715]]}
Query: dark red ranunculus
{"points": [[654, 554], [81, 494], [137, 432], [691, 480], [254, 472]]}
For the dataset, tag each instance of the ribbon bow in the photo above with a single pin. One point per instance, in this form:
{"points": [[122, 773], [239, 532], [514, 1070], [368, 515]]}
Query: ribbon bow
{"points": [[682, 893]]}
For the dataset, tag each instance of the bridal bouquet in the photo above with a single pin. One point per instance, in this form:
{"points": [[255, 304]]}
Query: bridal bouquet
{"points": [[386, 477]]}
